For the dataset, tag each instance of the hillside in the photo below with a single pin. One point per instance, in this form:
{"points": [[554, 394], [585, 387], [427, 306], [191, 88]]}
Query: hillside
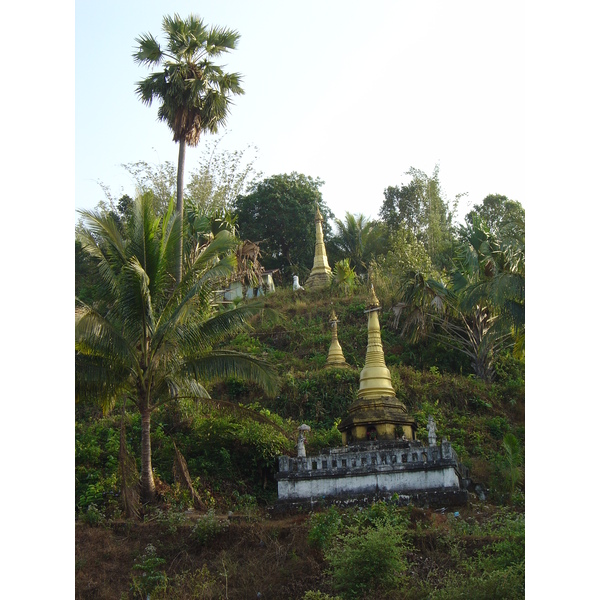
{"points": [[230, 546]]}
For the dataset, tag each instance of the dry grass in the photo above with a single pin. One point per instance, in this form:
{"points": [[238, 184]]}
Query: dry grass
{"points": [[267, 556]]}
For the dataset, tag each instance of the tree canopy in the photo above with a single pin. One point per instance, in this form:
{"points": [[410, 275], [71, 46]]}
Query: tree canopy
{"points": [[421, 207], [279, 214]]}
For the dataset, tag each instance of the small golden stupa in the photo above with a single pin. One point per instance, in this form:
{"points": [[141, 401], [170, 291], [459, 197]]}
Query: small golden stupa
{"points": [[335, 358], [377, 414], [320, 275]]}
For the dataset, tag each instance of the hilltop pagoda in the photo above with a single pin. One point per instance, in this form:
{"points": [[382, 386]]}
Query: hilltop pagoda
{"points": [[320, 275], [377, 414]]}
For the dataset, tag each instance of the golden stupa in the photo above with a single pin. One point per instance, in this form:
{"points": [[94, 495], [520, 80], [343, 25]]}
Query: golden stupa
{"points": [[320, 275], [335, 358], [376, 414]]}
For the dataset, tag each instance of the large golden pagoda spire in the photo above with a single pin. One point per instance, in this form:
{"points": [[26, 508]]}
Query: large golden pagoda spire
{"points": [[320, 275], [375, 378], [335, 358], [377, 413]]}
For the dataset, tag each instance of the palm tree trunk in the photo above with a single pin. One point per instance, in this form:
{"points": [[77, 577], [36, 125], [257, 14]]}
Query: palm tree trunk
{"points": [[148, 489], [180, 168]]}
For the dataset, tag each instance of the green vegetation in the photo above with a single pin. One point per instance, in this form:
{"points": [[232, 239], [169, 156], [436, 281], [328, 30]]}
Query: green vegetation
{"points": [[279, 211], [215, 390], [231, 454], [148, 340]]}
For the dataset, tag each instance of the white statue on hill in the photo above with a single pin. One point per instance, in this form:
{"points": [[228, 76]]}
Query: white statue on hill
{"points": [[296, 284], [301, 439]]}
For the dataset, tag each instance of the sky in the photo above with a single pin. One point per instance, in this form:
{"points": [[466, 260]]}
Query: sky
{"points": [[503, 96], [353, 93]]}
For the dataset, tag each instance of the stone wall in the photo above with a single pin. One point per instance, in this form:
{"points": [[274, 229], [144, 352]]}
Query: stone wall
{"points": [[375, 468]]}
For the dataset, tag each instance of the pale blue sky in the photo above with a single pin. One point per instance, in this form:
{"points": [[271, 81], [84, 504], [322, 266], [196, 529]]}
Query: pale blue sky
{"points": [[354, 93]]}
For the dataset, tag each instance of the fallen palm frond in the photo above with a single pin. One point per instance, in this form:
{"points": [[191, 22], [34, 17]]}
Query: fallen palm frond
{"points": [[181, 475]]}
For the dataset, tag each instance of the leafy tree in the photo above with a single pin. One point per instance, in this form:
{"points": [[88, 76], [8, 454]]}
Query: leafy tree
{"points": [[420, 207], [152, 339], [195, 94], [487, 295], [480, 309], [359, 240], [220, 177], [406, 256], [279, 215], [502, 216], [402, 207]]}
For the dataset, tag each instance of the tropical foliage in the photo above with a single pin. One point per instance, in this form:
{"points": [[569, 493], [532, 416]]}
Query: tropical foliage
{"points": [[420, 207], [191, 380], [279, 214], [479, 308], [151, 340], [359, 240]]}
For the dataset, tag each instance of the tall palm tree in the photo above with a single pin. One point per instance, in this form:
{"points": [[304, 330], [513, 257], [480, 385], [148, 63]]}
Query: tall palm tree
{"points": [[195, 94], [151, 339]]}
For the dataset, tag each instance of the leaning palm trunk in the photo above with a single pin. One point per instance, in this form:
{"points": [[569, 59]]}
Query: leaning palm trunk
{"points": [[181, 476]]}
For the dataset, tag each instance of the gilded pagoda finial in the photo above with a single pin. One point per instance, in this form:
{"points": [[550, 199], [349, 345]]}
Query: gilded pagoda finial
{"points": [[372, 301], [318, 216]]}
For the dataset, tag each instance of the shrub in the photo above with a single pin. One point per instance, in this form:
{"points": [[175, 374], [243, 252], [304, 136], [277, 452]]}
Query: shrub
{"points": [[208, 527], [324, 527], [93, 516], [200, 584], [367, 561], [171, 520], [508, 584], [319, 596], [147, 577]]}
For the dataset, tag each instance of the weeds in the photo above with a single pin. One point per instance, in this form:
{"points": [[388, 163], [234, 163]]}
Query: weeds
{"points": [[208, 527], [148, 577]]}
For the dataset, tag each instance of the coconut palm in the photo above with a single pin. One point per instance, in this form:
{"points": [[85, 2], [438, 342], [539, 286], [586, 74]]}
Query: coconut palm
{"points": [[151, 339], [490, 270], [359, 239], [194, 93], [482, 308], [487, 295]]}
